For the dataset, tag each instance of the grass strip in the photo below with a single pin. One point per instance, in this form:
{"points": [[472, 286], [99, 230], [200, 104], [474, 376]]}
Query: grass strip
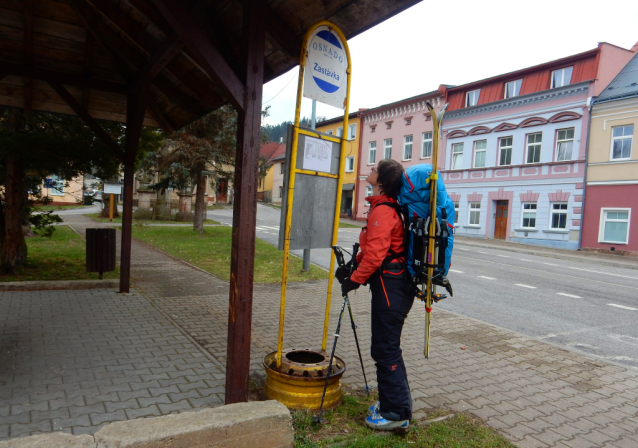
{"points": [[343, 225], [46, 208], [61, 257], [211, 252], [344, 427], [96, 217]]}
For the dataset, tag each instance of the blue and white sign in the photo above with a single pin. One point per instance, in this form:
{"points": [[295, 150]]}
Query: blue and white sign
{"points": [[325, 71]]}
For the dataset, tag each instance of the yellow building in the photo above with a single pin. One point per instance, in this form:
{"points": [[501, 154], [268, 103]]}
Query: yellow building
{"points": [[269, 151], [334, 126]]}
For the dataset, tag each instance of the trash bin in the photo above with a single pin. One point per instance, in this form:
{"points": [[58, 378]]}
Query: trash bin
{"points": [[88, 200], [100, 250]]}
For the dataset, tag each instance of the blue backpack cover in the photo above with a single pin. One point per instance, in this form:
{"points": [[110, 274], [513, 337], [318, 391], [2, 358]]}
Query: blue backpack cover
{"points": [[415, 196]]}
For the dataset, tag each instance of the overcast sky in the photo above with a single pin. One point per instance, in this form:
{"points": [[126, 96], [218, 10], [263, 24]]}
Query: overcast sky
{"points": [[460, 41]]}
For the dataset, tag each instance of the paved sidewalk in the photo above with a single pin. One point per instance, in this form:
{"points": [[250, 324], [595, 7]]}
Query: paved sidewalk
{"points": [[536, 394]]}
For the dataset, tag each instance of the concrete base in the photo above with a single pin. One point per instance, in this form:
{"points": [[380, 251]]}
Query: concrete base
{"points": [[59, 284], [244, 425]]}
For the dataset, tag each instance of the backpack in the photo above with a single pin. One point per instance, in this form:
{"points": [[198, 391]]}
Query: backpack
{"points": [[414, 199]]}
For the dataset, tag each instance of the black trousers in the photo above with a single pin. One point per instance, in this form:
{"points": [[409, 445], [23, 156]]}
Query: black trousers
{"points": [[390, 307]]}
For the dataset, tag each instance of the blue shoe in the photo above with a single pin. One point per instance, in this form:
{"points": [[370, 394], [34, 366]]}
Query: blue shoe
{"points": [[375, 421], [374, 408]]}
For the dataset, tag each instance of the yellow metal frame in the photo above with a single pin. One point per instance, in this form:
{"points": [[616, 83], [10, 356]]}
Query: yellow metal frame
{"points": [[291, 183]]}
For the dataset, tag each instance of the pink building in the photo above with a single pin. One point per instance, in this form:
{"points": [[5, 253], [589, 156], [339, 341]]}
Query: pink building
{"points": [[401, 131]]}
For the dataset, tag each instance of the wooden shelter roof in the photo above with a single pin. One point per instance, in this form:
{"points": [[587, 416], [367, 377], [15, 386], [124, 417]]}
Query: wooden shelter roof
{"points": [[96, 50]]}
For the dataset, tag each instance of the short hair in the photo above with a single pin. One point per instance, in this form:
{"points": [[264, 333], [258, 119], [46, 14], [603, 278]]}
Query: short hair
{"points": [[389, 177]]}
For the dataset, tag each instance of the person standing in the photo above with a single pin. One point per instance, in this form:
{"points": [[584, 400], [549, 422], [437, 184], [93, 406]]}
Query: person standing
{"points": [[381, 264]]}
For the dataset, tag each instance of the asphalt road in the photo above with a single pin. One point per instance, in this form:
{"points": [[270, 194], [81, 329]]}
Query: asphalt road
{"points": [[576, 305]]}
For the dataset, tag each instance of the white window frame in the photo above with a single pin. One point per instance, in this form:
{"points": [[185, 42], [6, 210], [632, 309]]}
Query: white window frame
{"points": [[517, 88], [426, 143], [562, 72], [329, 132], [281, 191], [558, 142], [473, 211], [457, 156], [622, 137], [283, 168], [57, 186], [529, 210], [476, 151], [349, 168], [529, 144], [387, 148], [372, 153], [501, 148], [368, 193], [340, 132], [456, 213], [472, 97], [352, 131], [601, 228], [553, 212], [407, 145]]}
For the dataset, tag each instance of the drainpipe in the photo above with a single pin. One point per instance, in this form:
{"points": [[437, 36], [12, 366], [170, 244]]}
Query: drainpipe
{"points": [[582, 212], [356, 171]]}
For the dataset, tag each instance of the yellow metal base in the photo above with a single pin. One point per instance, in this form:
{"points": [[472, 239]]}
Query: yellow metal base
{"points": [[301, 386]]}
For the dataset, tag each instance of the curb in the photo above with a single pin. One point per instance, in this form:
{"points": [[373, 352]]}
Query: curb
{"points": [[51, 285]]}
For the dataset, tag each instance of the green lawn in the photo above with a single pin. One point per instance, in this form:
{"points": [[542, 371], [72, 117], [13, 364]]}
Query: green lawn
{"points": [[211, 252], [344, 428], [62, 257], [96, 217], [343, 225], [46, 208]]}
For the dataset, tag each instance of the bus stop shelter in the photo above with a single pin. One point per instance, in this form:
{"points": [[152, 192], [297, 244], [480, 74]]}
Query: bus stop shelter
{"points": [[166, 63]]}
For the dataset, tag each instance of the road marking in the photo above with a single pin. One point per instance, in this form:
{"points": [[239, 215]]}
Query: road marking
{"points": [[623, 307], [460, 248], [486, 278], [524, 286], [271, 227], [569, 295], [458, 272], [603, 273], [524, 259], [550, 264], [481, 252], [504, 256]]}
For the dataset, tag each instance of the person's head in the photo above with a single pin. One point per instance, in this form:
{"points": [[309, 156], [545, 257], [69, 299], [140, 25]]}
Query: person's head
{"points": [[387, 175]]}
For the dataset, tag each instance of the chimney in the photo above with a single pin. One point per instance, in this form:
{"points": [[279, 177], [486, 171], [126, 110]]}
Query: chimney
{"points": [[281, 140]]}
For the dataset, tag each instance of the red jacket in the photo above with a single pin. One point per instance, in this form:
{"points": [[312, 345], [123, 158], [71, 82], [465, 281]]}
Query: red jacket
{"points": [[382, 233]]}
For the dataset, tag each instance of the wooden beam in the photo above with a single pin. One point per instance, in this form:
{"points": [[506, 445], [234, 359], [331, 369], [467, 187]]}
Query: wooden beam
{"points": [[161, 118], [81, 112], [135, 107], [28, 53], [242, 262], [68, 79], [227, 44], [88, 59], [168, 49], [203, 51]]}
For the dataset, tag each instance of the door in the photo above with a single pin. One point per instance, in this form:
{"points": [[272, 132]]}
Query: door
{"points": [[500, 222], [222, 191]]}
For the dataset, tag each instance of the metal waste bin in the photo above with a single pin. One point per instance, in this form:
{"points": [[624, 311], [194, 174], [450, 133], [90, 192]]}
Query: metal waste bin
{"points": [[100, 250]]}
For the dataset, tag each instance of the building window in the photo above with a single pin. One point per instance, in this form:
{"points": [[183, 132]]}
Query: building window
{"points": [[457, 156], [352, 131], [340, 132], [475, 213], [562, 77], [349, 164], [505, 151], [56, 185], [534, 147], [373, 129], [559, 216], [408, 121], [387, 148], [388, 125], [407, 147], [281, 192], [621, 142], [480, 148], [456, 212], [426, 146], [368, 193], [471, 98], [283, 168], [372, 153], [614, 225], [564, 144], [513, 88], [329, 132], [529, 215]]}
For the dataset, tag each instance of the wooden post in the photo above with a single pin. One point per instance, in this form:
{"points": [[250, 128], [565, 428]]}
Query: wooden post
{"points": [[111, 208], [135, 107], [242, 261]]}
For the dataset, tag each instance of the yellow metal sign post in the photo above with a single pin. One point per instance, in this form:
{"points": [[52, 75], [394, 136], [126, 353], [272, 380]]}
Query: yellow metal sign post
{"points": [[293, 170]]}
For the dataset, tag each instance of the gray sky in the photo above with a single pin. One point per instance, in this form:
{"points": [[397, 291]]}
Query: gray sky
{"points": [[459, 41]]}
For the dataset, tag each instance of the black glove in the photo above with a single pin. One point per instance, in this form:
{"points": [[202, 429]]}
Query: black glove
{"points": [[343, 272], [348, 285]]}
